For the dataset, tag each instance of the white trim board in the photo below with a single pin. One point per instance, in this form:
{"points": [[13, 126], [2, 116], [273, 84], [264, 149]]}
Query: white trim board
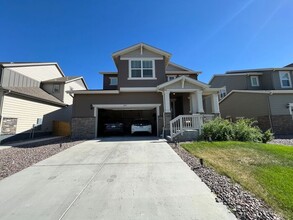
{"points": [[95, 92], [126, 106], [138, 89]]}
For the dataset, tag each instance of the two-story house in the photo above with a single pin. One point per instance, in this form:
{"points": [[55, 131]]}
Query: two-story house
{"points": [[146, 85], [265, 95], [32, 95]]}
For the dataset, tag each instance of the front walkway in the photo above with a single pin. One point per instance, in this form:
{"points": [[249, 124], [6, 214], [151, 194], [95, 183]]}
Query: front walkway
{"points": [[110, 179]]}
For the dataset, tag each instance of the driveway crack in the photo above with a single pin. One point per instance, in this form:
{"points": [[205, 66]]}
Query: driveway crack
{"points": [[87, 184]]}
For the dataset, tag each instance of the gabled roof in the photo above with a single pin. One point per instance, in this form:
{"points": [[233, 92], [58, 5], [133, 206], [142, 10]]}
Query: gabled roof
{"points": [[35, 93], [66, 79], [63, 79], [138, 46], [180, 69], [187, 79], [141, 46], [269, 92], [259, 70]]}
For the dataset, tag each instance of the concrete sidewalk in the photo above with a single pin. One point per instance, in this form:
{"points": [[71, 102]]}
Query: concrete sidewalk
{"points": [[110, 179], [29, 141]]}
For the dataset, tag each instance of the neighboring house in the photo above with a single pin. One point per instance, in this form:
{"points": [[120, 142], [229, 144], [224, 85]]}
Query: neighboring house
{"points": [[32, 95], [262, 94], [146, 85]]}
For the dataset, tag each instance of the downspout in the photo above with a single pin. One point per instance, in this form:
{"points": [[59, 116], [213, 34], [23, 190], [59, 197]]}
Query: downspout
{"points": [[270, 111]]}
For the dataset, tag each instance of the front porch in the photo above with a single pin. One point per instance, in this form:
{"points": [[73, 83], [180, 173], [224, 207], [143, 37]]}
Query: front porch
{"points": [[187, 104]]}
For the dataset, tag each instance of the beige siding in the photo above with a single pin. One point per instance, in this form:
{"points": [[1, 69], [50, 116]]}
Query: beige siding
{"points": [[49, 89], [75, 85], [27, 112], [249, 105], [39, 73], [279, 104]]}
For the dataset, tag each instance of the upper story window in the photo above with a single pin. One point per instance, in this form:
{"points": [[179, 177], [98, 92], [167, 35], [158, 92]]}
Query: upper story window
{"points": [[142, 69], [254, 81], [56, 88], [285, 79], [113, 81], [222, 93], [169, 78]]}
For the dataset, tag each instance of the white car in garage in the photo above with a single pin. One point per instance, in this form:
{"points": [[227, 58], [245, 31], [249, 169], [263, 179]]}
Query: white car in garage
{"points": [[141, 126]]}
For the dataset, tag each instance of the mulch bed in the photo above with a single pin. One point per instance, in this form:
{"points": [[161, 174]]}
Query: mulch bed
{"points": [[241, 202], [15, 159]]}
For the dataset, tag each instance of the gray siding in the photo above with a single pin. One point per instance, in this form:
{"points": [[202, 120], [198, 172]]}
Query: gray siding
{"points": [[12, 78], [82, 103], [106, 82], [145, 54], [277, 82], [279, 103], [123, 72], [231, 82], [249, 105], [267, 81]]}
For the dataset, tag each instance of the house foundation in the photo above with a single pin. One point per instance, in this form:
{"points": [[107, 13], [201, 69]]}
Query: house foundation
{"points": [[83, 128]]}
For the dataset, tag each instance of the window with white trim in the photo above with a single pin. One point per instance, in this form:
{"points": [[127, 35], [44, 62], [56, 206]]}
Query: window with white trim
{"points": [[113, 81], [222, 93], [169, 78], [285, 79], [254, 81], [140, 69]]}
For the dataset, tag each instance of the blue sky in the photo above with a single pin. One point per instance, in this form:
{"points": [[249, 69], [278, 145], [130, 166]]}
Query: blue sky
{"points": [[213, 36]]}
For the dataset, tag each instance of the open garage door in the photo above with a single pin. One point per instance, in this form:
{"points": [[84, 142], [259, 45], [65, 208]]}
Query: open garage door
{"points": [[112, 119]]}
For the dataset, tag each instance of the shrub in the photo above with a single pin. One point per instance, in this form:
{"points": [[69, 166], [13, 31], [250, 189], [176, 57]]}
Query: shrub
{"points": [[267, 136], [242, 130], [218, 130]]}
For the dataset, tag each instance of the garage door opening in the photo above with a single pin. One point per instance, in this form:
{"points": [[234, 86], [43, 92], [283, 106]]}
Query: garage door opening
{"points": [[118, 122]]}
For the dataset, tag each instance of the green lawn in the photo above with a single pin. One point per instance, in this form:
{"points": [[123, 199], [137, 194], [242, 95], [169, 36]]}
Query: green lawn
{"points": [[264, 169]]}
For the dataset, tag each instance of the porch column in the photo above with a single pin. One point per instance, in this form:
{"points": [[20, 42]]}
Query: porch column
{"points": [[215, 104], [193, 103], [199, 101], [167, 102], [196, 102]]}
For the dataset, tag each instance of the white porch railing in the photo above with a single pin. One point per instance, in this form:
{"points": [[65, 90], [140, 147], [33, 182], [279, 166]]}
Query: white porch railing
{"points": [[188, 122]]}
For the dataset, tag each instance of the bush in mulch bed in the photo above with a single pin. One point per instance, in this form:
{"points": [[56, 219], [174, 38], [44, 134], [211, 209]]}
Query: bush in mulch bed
{"points": [[15, 159]]}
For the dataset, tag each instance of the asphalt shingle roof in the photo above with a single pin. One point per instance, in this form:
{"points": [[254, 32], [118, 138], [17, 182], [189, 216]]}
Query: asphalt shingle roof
{"points": [[35, 93]]}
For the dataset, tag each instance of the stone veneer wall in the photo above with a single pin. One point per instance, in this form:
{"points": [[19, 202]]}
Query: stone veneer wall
{"points": [[283, 124], [167, 119], [83, 128], [263, 122]]}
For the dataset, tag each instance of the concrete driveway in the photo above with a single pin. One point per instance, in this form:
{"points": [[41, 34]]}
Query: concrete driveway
{"points": [[110, 179]]}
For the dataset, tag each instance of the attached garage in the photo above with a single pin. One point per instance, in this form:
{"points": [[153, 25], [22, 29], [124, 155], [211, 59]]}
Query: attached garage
{"points": [[126, 114]]}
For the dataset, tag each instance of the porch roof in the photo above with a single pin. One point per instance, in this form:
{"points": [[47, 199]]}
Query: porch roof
{"points": [[183, 79]]}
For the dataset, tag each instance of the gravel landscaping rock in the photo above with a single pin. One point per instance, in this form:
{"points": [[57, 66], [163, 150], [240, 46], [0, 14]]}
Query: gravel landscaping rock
{"points": [[15, 159], [282, 141], [242, 203]]}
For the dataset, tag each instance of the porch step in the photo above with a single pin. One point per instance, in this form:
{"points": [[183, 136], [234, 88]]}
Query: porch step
{"points": [[187, 135]]}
